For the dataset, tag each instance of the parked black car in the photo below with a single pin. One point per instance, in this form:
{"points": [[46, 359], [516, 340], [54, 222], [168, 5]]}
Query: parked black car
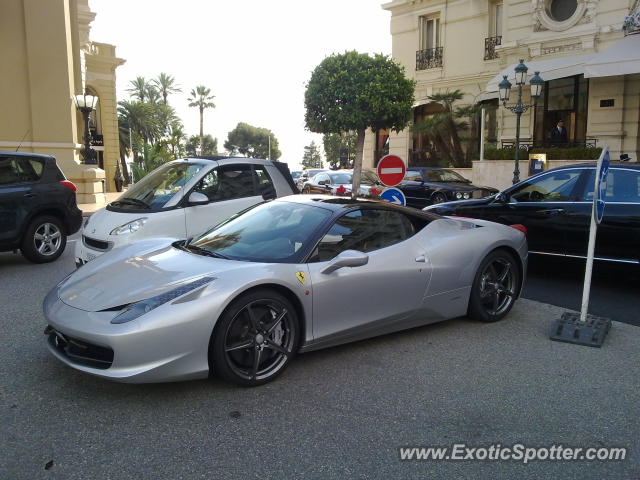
{"points": [[555, 207], [424, 186], [37, 206]]}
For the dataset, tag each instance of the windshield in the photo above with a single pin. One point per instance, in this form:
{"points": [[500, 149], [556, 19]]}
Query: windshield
{"points": [[274, 232], [369, 178], [295, 175], [340, 178], [443, 176], [158, 187]]}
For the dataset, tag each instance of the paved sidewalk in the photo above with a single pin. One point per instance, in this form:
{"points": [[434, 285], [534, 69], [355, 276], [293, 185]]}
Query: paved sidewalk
{"points": [[89, 208]]}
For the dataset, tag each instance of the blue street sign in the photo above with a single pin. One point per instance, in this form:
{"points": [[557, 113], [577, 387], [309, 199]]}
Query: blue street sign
{"points": [[601, 190], [393, 195]]}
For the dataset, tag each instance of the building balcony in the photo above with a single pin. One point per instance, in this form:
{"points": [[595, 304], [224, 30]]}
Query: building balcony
{"points": [[490, 44], [429, 58]]}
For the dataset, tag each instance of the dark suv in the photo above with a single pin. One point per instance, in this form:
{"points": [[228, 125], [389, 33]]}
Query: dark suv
{"points": [[37, 206]]}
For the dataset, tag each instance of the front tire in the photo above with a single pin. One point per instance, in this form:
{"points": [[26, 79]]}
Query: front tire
{"points": [[495, 287], [438, 198], [44, 239], [255, 339]]}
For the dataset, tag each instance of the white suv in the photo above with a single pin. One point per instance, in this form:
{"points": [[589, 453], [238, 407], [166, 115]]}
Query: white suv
{"points": [[182, 199]]}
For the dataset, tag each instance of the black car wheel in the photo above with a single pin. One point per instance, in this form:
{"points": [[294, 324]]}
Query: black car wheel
{"points": [[495, 287], [44, 240], [255, 338], [438, 198]]}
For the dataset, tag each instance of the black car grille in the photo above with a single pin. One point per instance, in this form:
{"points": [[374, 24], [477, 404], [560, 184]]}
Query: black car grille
{"points": [[97, 244], [79, 351]]}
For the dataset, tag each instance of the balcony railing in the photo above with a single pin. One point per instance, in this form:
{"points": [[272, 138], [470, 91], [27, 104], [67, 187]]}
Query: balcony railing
{"points": [[490, 45], [429, 58]]}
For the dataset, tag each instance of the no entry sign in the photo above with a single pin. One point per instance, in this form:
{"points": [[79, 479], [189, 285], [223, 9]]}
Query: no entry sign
{"points": [[391, 170]]}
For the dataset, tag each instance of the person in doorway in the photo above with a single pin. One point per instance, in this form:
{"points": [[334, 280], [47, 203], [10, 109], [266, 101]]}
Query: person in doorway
{"points": [[558, 134]]}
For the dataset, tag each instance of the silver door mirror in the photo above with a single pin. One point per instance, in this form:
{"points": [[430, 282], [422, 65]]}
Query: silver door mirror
{"points": [[197, 198], [348, 258], [500, 198]]}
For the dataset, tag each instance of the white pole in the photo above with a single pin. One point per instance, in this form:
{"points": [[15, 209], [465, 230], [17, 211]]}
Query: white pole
{"points": [[482, 134], [593, 227], [269, 146]]}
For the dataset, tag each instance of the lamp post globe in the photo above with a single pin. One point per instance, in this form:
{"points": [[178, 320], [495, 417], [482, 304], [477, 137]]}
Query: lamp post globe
{"points": [[86, 103]]}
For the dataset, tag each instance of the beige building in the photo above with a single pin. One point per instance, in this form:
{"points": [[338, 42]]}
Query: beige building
{"points": [[47, 57], [590, 68]]}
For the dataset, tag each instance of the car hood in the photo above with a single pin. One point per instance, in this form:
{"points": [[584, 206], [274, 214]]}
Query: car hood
{"points": [[137, 272]]}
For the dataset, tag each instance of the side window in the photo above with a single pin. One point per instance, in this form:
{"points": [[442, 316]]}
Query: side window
{"points": [[622, 186], [19, 169], [209, 184], [552, 187], [265, 185], [228, 182], [363, 230]]}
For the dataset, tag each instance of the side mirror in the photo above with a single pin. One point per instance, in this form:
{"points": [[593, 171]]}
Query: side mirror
{"points": [[348, 258], [322, 182], [197, 198], [500, 198]]}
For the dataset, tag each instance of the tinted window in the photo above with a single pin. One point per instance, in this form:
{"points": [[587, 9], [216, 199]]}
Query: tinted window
{"points": [[365, 231], [270, 232], [622, 186], [265, 184], [340, 178], [19, 169], [413, 176], [553, 187], [227, 183]]}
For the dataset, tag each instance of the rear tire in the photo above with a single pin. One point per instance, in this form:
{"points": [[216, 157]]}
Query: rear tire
{"points": [[255, 338], [44, 239], [495, 287]]}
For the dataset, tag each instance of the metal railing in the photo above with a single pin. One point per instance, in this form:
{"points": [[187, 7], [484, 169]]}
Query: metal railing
{"points": [[490, 44], [429, 58], [529, 144]]}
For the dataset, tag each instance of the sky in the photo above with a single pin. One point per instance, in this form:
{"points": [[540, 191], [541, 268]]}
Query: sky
{"points": [[256, 56]]}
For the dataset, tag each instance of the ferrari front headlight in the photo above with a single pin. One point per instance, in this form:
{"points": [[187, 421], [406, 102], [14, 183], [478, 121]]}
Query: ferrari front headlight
{"points": [[137, 309], [130, 227]]}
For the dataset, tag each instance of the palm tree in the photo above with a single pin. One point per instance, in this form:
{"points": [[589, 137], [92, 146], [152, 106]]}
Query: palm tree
{"points": [[176, 137], [141, 118], [447, 99], [141, 89], [165, 84], [200, 97]]}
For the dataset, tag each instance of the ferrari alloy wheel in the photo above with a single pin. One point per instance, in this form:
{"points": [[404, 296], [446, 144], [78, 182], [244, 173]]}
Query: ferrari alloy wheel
{"points": [[495, 287], [255, 339], [44, 240], [438, 198]]}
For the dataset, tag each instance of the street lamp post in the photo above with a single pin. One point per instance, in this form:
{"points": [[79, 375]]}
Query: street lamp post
{"points": [[519, 108], [86, 103]]}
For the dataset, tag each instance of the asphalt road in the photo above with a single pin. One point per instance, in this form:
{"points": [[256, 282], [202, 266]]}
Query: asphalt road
{"points": [[615, 288], [339, 413]]}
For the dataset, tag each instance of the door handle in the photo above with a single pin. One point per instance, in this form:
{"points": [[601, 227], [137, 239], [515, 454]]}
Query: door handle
{"points": [[421, 259], [553, 211]]}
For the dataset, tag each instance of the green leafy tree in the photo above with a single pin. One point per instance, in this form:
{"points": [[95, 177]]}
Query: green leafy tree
{"points": [[311, 157], [354, 91], [165, 85], [201, 97], [339, 149], [252, 141], [209, 145], [152, 157], [451, 131]]}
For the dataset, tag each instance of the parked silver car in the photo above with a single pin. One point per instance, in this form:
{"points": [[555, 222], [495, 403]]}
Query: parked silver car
{"points": [[295, 274]]}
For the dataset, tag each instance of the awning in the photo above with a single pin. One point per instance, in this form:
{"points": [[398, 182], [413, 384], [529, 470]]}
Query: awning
{"points": [[550, 69], [623, 58]]}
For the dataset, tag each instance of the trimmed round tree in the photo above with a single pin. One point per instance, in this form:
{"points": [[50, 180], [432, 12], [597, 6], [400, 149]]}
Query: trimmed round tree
{"points": [[354, 91]]}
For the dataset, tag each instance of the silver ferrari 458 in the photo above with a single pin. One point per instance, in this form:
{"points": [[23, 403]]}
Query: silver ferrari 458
{"points": [[295, 274]]}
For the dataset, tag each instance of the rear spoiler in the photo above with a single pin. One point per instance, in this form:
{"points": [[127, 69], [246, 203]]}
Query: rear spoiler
{"points": [[283, 168]]}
